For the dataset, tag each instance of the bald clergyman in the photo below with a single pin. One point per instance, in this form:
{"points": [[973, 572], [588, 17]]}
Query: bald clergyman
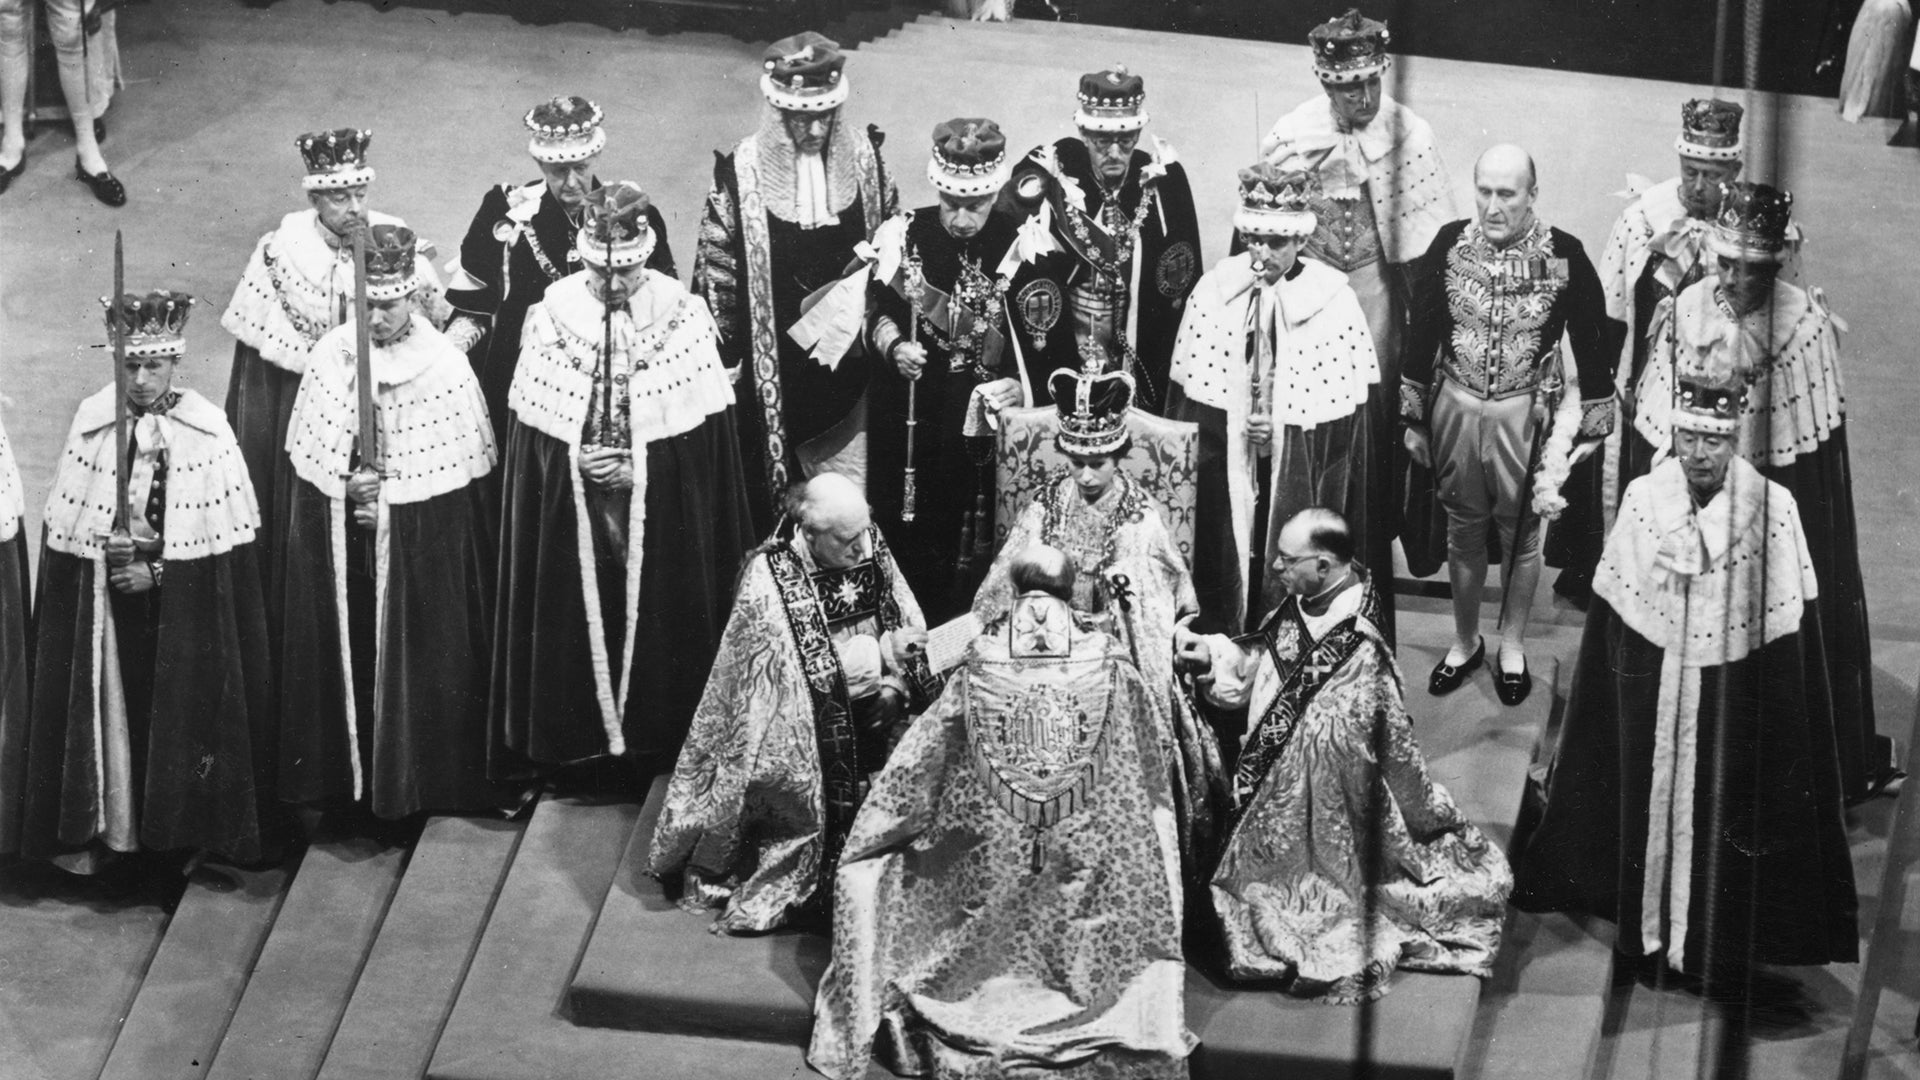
{"points": [[822, 662]]}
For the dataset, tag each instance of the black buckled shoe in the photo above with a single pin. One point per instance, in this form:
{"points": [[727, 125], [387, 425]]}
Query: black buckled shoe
{"points": [[103, 185], [7, 175], [1446, 678], [1513, 689]]}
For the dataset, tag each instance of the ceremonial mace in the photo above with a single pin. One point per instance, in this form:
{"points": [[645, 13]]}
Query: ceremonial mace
{"points": [[910, 496], [117, 329]]}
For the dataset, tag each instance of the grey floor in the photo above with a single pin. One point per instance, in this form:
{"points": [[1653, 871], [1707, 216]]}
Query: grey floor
{"points": [[203, 137]]}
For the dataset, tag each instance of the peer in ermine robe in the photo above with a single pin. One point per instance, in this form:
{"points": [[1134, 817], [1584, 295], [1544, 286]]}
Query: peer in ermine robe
{"points": [[383, 682], [1328, 738], [1695, 797], [298, 285], [1785, 342], [817, 671], [521, 240], [151, 720], [1276, 365], [624, 517], [1009, 901]]}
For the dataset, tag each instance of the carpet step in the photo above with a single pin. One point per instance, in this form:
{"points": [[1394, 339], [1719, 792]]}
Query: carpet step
{"points": [[760, 989], [510, 1021], [414, 971], [198, 974], [310, 962]]}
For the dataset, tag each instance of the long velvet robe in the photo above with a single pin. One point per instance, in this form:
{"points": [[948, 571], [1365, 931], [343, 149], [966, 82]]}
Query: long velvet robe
{"points": [[500, 277], [755, 269], [16, 648], [974, 934], [1163, 265], [1769, 878], [151, 717], [1290, 889], [392, 712], [751, 817], [557, 695]]}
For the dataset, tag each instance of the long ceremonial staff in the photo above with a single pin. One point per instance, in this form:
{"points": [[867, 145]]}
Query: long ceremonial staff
{"points": [[910, 496], [116, 319], [363, 356], [606, 349]]}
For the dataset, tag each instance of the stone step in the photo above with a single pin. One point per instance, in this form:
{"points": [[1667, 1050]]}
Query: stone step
{"points": [[511, 1020], [416, 966], [198, 974], [310, 962], [760, 988]]}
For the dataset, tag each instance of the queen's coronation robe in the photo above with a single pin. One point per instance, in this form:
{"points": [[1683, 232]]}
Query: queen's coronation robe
{"points": [[1793, 428], [774, 768], [1009, 901], [611, 602], [1330, 738], [383, 690], [297, 286], [1298, 351], [1694, 797], [1132, 579], [152, 725]]}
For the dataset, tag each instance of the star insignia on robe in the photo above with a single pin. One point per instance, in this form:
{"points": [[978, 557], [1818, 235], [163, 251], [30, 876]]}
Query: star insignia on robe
{"points": [[849, 593]]}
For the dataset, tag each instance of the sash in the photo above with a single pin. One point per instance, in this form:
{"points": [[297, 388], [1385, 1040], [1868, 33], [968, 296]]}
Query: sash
{"points": [[841, 781], [1284, 635], [957, 326]]}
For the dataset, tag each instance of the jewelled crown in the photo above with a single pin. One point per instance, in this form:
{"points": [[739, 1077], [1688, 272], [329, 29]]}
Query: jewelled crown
{"points": [[1112, 101], [1755, 223], [1349, 49], [565, 130], [1092, 410], [391, 262], [1275, 201], [805, 73], [613, 228], [1709, 407], [1710, 130], [155, 324], [335, 159], [969, 158]]}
